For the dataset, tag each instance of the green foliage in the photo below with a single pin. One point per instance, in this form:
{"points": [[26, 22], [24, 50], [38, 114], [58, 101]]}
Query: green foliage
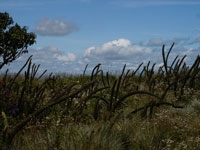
{"points": [[137, 109], [38, 100], [14, 40]]}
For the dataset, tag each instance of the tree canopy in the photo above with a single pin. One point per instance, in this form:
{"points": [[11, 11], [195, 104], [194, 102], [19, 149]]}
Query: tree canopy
{"points": [[14, 40]]}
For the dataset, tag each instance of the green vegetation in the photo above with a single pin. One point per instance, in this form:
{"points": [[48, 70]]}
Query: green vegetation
{"points": [[142, 109], [14, 40], [133, 110]]}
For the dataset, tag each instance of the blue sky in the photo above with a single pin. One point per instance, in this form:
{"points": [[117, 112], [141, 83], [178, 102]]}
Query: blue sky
{"points": [[73, 33]]}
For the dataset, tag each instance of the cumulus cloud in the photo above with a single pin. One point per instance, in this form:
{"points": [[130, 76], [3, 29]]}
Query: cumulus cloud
{"points": [[188, 51], [52, 54], [121, 49], [69, 57], [111, 55], [55, 27], [50, 58]]}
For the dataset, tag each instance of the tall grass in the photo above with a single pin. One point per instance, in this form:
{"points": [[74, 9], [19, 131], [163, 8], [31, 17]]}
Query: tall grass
{"points": [[140, 109]]}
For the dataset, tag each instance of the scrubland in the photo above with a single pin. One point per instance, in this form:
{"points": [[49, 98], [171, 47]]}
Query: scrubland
{"points": [[144, 109]]}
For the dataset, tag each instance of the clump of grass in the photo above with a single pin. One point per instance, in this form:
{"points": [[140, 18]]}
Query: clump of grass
{"points": [[164, 131]]}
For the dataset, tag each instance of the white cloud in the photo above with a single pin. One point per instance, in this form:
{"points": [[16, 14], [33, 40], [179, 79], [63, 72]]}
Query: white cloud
{"points": [[67, 58], [116, 50], [111, 55], [50, 58], [188, 51], [55, 27], [52, 54]]}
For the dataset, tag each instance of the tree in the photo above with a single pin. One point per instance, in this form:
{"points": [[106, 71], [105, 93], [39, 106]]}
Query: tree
{"points": [[14, 40]]}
